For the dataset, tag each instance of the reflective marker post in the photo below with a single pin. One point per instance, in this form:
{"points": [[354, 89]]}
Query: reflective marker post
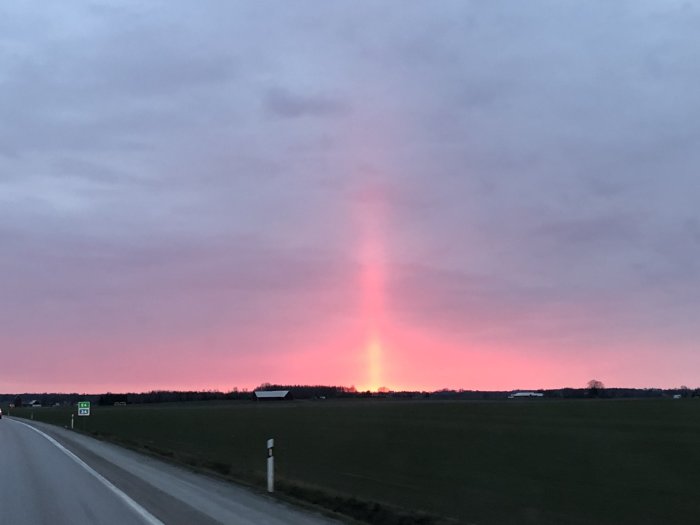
{"points": [[270, 466], [72, 423]]}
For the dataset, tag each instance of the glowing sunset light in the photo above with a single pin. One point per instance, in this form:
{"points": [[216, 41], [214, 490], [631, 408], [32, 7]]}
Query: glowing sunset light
{"points": [[374, 356], [372, 282]]}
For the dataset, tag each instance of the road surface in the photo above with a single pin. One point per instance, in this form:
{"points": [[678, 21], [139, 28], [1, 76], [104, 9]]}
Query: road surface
{"points": [[52, 476]]}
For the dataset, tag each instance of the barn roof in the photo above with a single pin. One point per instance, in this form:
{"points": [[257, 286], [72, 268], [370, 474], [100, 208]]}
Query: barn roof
{"points": [[271, 394]]}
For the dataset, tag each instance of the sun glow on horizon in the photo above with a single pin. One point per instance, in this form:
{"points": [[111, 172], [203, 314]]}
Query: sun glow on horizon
{"points": [[372, 282], [374, 365]]}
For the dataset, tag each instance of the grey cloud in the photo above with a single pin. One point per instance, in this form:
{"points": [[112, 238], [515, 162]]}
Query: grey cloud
{"points": [[559, 316], [115, 84], [486, 307], [599, 229], [92, 171], [81, 282], [283, 103], [603, 185], [692, 227]]}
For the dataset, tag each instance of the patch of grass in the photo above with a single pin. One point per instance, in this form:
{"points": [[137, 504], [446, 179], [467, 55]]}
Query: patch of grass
{"points": [[365, 511], [156, 450], [579, 462]]}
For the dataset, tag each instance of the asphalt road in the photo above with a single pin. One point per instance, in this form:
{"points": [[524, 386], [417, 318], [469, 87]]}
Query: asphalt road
{"points": [[52, 476]]}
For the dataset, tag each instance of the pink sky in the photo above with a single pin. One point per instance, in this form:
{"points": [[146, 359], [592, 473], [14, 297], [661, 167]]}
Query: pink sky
{"points": [[407, 195]]}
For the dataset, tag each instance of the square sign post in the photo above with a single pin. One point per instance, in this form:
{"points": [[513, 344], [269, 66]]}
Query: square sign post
{"points": [[83, 408]]}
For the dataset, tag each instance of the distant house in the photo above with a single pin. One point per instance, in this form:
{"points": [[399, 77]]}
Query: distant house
{"points": [[269, 395], [518, 395], [676, 396], [34, 404]]}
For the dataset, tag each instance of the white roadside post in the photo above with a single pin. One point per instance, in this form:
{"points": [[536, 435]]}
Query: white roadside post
{"points": [[72, 422], [270, 466]]}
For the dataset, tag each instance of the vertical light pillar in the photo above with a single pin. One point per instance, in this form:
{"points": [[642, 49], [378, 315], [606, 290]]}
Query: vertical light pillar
{"points": [[270, 466]]}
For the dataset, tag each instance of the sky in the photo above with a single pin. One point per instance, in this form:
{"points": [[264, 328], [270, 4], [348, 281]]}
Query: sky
{"points": [[417, 195]]}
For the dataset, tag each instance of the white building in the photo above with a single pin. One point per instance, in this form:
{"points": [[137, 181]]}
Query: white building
{"points": [[517, 395]]}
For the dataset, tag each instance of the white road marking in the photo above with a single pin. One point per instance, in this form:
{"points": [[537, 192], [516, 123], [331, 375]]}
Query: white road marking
{"points": [[149, 518]]}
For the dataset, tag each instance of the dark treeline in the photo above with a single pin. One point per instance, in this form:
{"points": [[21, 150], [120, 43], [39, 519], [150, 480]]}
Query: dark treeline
{"points": [[568, 393], [315, 391], [46, 399], [173, 396], [331, 392]]}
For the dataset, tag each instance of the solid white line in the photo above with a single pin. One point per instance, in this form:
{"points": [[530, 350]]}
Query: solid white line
{"points": [[149, 518]]}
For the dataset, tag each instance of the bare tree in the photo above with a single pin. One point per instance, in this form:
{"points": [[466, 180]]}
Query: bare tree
{"points": [[595, 387]]}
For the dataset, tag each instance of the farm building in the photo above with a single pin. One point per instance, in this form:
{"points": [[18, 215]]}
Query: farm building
{"points": [[271, 395]]}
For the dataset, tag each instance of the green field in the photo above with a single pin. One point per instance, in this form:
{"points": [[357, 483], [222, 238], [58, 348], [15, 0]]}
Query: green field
{"points": [[491, 462]]}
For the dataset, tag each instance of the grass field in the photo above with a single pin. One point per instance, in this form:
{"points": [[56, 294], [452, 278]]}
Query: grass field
{"points": [[491, 462]]}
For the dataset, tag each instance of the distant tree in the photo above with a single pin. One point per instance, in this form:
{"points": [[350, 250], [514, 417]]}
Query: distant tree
{"points": [[109, 399], [17, 401], [595, 387]]}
